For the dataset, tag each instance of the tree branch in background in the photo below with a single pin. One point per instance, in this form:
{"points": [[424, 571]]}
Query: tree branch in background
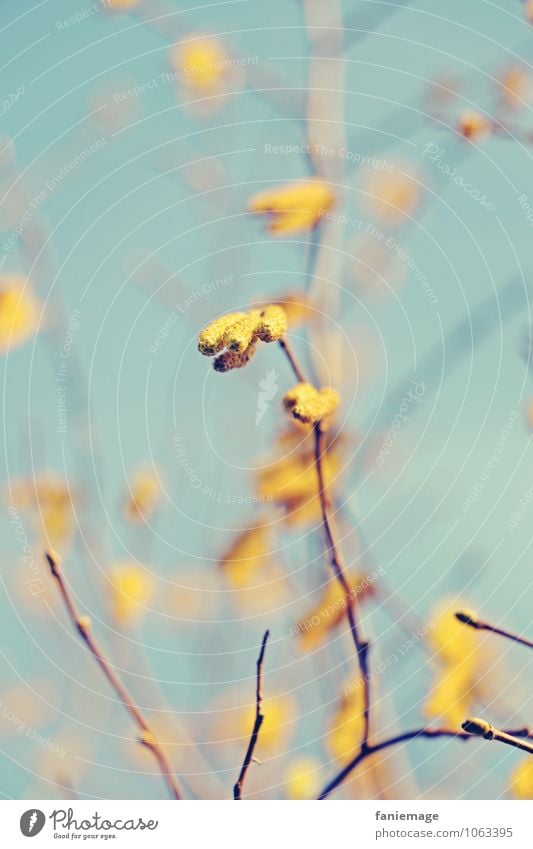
{"points": [[468, 617], [83, 626], [259, 717], [420, 733]]}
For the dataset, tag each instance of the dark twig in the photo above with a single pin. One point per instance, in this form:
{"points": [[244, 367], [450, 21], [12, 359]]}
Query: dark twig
{"points": [[83, 625], [420, 733], [467, 617], [481, 728], [259, 717], [287, 350]]}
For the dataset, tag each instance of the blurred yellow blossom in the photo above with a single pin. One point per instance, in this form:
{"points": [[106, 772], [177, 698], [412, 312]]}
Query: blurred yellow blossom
{"points": [[303, 778], [19, 311], [131, 589], [391, 196], [528, 11], [294, 207], [50, 504], [521, 784], [329, 611], [474, 125], [345, 730], [277, 725], [463, 662], [143, 498], [202, 63], [119, 5], [247, 555]]}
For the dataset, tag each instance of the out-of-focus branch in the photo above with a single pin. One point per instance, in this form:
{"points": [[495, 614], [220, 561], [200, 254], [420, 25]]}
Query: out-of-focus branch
{"points": [[468, 617], [418, 734], [83, 627], [259, 717]]}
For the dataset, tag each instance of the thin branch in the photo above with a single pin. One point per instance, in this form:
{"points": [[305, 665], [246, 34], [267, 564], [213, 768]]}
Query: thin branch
{"points": [[259, 717], [83, 625], [467, 617], [336, 560], [361, 645], [420, 733], [287, 350], [480, 728]]}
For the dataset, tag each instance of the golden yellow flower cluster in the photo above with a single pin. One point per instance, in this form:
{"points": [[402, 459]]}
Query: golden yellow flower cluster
{"points": [[247, 555], [239, 333], [522, 780], [310, 405], [295, 207]]}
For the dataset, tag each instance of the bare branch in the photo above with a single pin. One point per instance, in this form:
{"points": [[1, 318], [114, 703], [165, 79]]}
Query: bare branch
{"points": [[259, 717], [468, 617]]}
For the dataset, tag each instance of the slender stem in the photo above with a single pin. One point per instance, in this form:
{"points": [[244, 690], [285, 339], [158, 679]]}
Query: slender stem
{"points": [[361, 645], [82, 625], [469, 618], [287, 350], [259, 717], [420, 733], [335, 556]]}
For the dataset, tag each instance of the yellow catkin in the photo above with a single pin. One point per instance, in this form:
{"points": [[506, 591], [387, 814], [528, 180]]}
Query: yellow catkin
{"points": [[272, 323], [143, 498], [232, 359], [247, 556], [310, 405], [239, 335], [303, 778], [211, 338]]}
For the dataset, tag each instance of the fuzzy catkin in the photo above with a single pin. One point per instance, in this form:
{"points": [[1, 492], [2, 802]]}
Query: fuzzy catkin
{"points": [[310, 405], [272, 323], [233, 359], [211, 338]]}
